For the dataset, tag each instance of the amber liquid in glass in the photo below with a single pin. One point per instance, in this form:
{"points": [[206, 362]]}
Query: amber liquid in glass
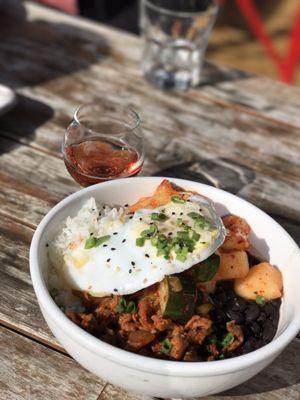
{"points": [[93, 161]]}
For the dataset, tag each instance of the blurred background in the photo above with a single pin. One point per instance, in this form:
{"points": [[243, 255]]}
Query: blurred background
{"points": [[259, 36]]}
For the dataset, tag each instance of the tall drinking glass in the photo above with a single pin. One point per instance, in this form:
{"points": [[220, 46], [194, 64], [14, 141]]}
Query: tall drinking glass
{"points": [[175, 36]]}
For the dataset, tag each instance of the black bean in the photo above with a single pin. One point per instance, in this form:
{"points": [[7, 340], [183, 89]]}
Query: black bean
{"points": [[269, 331], [237, 304], [221, 316], [259, 343], [269, 309], [249, 345], [217, 303], [262, 317], [255, 328], [240, 304], [222, 297], [252, 312], [235, 315]]}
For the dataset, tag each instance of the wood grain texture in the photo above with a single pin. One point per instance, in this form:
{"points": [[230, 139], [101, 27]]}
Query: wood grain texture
{"points": [[236, 131], [30, 371], [19, 308]]}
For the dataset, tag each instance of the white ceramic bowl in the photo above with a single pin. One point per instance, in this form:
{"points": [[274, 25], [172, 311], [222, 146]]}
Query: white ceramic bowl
{"points": [[158, 377]]}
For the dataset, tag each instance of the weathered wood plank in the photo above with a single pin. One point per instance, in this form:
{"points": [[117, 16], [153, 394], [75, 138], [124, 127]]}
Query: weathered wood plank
{"points": [[30, 371], [29, 192], [281, 380], [109, 48], [279, 102], [19, 308]]}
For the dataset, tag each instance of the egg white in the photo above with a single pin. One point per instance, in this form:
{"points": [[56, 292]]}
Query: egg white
{"points": [[119, 266]]}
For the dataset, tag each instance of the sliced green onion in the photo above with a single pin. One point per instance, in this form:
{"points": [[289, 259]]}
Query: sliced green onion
{"points": [[140, 242], [202, 223], [166, 346], [194, 215], [131, 307], [154, 241], [183, 235], [90, 243], [95, 242], [151, 231], [178, 199], [212, 339], [179, 222], [195, 236], [158, 217], [181, 254], [227, 339], [260, 300], [121, 307]]}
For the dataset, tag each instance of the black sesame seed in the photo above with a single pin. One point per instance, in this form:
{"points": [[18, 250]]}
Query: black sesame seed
{"points": [[113, 248], [147, 255], [103, 207], [105, 245], [141, 219], [130, 271], [108, 260], [126, 205], [132, 263], [115, 233], [93, 209], [124, 240], [47, 244], [189, 200], [151, 223], [91, 234], [173, 213], [181, 213], [100, 214], [115, 290], [170, 234], [131, 217]]}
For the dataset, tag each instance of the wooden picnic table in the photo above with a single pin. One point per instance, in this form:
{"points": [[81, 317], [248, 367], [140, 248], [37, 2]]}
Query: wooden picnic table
{"points": [[236, 131]]}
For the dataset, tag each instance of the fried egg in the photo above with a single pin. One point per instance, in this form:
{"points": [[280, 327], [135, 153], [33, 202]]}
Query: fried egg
{"points": [[105, 250]]}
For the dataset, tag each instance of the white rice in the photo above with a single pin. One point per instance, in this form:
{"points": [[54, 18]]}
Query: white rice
{"points": [[74, 229]]}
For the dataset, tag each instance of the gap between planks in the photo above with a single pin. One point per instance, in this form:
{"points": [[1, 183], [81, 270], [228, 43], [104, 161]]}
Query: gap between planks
{"points": [[17, 220], [50, 346]]}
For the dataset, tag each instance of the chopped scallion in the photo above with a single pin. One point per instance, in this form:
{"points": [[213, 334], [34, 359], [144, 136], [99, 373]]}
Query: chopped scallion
{"points": [[178, 199], [140, 242], [166, 346], [260, 300], [227, 339]]}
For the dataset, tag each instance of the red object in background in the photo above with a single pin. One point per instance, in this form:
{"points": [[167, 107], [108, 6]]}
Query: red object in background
{"points": [[69, 6], [286, 65]]}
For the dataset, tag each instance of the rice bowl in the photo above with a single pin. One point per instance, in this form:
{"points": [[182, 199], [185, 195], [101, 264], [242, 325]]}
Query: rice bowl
{"points": [[198, 378]]}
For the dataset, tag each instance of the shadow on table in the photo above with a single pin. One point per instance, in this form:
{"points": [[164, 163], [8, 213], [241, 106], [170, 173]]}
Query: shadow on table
{"points": [[284, 372], [34, 52], [26, 116], [39, 52]]}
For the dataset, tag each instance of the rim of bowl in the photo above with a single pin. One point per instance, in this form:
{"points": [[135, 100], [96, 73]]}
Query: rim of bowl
{"points": [[136, 361]]}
